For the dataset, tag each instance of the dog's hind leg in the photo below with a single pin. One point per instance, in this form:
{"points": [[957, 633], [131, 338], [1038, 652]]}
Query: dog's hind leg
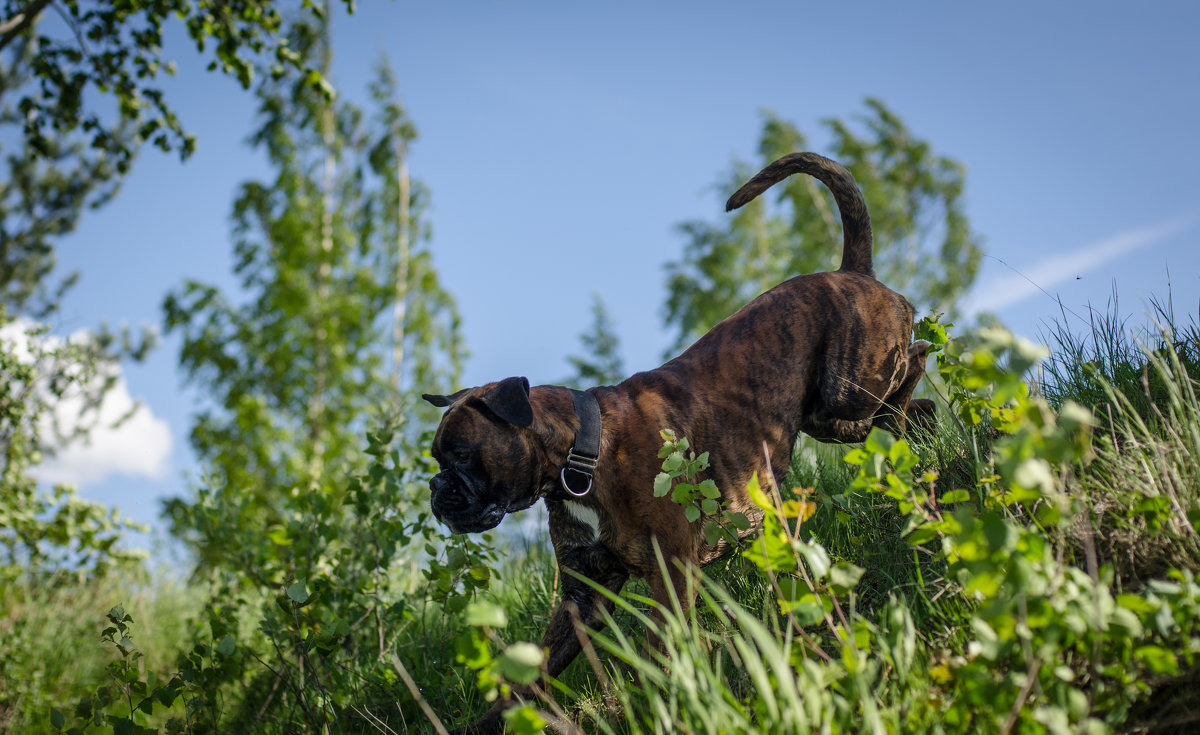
{"points": [[898, 407], [854, 382], [848, 409]]}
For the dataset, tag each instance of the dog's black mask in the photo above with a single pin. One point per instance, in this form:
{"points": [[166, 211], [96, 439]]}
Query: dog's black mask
{"points": [[483, 456]]}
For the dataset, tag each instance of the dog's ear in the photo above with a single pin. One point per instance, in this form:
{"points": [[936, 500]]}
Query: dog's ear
{"points": [[443, 401], [509, 400]]}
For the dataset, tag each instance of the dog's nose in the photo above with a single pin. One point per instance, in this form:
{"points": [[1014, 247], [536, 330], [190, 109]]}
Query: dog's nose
{"points": [[437, 483]]}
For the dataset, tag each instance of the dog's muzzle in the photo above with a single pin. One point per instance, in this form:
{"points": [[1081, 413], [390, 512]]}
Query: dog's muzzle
{"points": [[455, 505]]}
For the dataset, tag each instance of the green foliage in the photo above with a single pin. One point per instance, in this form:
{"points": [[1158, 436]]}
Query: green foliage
{"points": [[54, 545], [47, 187], [112, 52], [318, 594], [700, 498], [44, 535], [50, 654], [1039, 623], [1046, 637], [467, 569], [1143, 487], [300, 620], [924, 246], [79, 97], [121, 705], [1022, 614], [518, 664], [601, 362], [294, 370], [300, 529]]}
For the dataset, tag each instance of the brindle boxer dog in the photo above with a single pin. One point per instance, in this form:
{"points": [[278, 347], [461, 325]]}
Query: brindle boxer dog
{"points": [[827, 354]]}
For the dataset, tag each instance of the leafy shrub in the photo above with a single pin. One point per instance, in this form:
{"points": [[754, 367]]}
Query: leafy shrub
{"points": [[1048, 637], [54, 546], [1024, 567]]}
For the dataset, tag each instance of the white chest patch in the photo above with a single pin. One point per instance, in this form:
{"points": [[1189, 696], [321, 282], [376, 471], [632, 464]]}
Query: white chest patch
{"points": [[586, 516]]}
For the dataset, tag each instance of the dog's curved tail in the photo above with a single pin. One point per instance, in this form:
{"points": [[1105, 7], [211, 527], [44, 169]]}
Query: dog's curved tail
{"points": [[856, 222]]}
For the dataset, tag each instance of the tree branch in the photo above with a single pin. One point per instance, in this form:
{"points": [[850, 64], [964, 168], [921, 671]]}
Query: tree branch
{"points": [[17, 24]]}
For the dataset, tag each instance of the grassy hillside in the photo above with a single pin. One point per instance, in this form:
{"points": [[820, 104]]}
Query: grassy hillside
{"points": [[1029, 565]]}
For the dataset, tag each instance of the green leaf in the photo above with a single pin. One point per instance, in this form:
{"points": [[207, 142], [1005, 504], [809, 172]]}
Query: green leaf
{"points": [[956, 496], [471, 650], [480, 573], [524, 720], [712, 533], [227, 646], [298, 592], [844, 576], [166, 695], [486, 615], [57, 719], [816, 557], [1137, 604], [521, 663], [692, 513], [879, 442], [1159, 660], [808, 609], [921, 536], [1034, 474], [856, 456], [662, 484], [930, 330]]}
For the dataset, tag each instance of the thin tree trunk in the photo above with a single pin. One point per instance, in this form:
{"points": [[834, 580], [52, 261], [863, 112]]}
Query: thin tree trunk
{"points": [[316, 401], [402, 265]]}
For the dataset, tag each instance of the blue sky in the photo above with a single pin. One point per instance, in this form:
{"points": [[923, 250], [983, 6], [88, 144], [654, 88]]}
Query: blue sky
{"points": [[563, 142]]}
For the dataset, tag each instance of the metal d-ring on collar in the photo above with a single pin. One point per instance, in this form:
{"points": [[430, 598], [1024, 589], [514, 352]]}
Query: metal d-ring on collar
{"points": [[576, 477]]}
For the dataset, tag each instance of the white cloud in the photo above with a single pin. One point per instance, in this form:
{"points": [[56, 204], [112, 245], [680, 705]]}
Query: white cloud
{"points": [[140, 446], [1012, 289]]}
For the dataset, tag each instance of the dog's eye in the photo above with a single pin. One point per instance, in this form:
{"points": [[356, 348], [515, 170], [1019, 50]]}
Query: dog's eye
{"points": [[454, 455]]}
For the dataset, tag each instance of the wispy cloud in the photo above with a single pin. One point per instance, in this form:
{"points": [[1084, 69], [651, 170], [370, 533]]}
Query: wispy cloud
{"points": [[1044, 276], [140, 446]]}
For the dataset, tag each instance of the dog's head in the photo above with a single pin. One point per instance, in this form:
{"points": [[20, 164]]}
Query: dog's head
{"points": [[485, 449]]}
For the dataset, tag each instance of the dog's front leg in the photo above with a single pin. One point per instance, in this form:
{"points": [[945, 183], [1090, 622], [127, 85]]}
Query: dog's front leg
{"points": [[579, 602]]}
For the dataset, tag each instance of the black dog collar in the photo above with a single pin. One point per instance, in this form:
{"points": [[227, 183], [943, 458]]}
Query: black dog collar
{"points": [[576, 477]]}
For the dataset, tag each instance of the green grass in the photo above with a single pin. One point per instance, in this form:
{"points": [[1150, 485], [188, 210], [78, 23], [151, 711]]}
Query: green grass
{"points": [[50, 648]]}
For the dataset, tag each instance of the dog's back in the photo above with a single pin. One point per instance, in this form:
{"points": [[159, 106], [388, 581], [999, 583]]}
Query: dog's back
{"points": [[819, 353]]}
